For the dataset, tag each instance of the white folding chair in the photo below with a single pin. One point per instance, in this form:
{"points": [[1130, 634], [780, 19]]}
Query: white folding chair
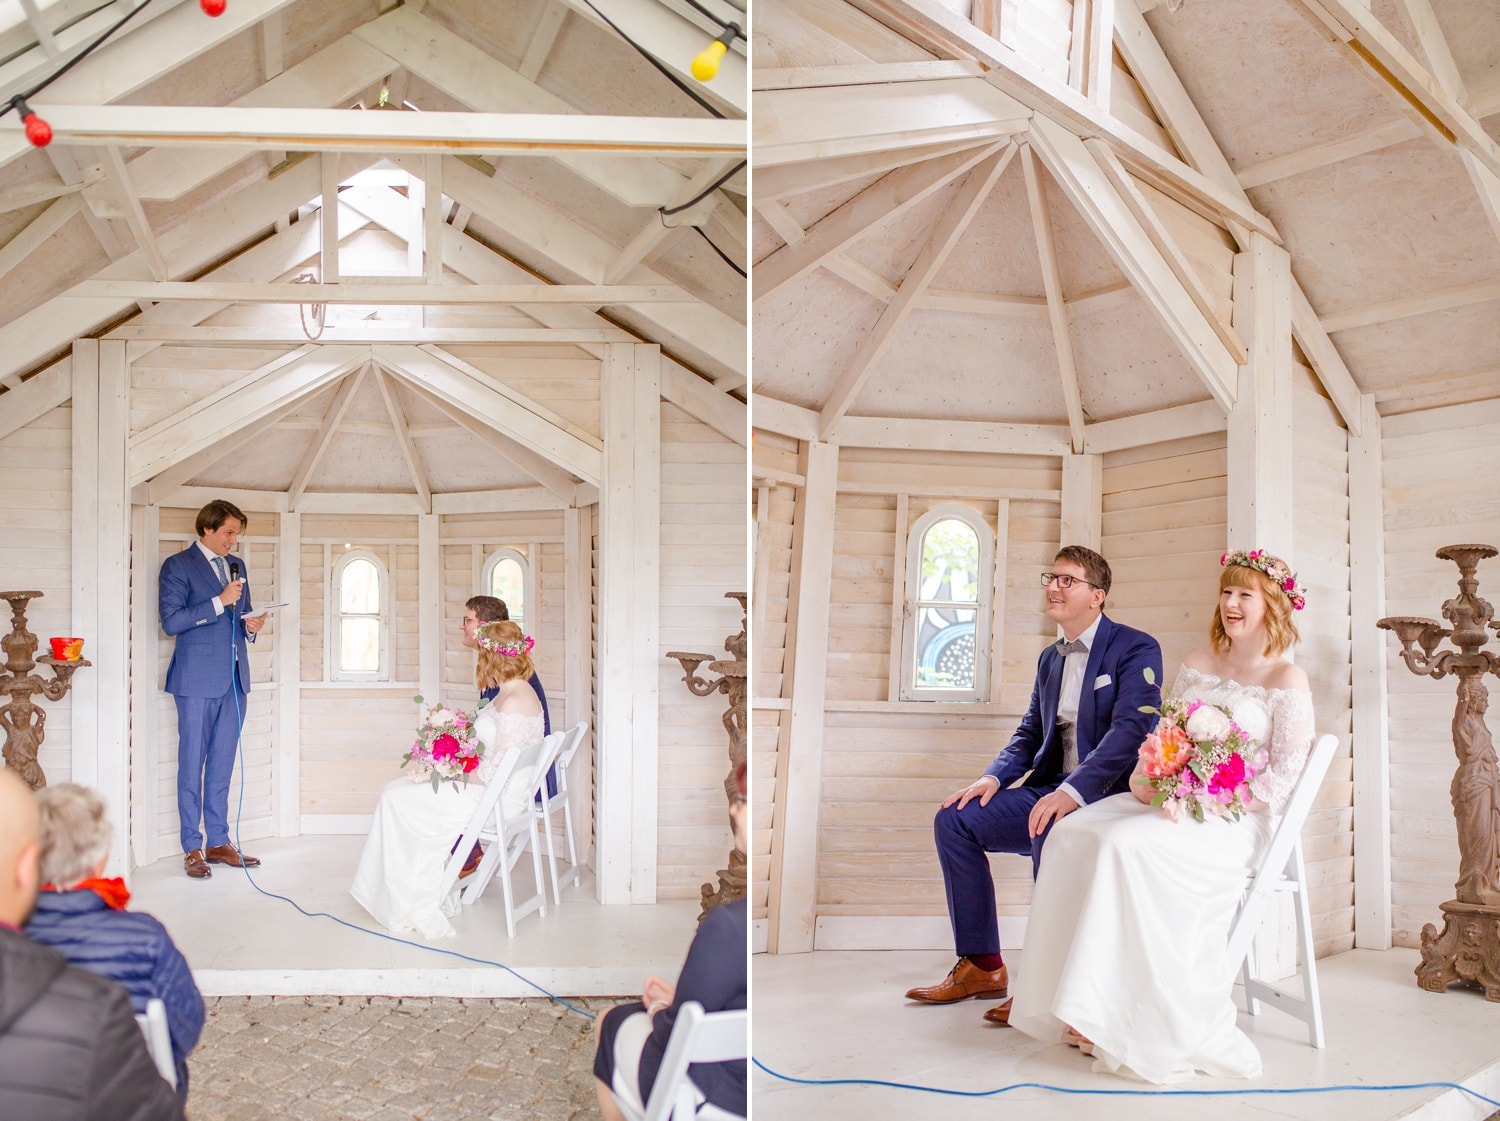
{"points": [[697, 1037], [153, 1024], [544, 809], [521, 769], [1281, 870]]}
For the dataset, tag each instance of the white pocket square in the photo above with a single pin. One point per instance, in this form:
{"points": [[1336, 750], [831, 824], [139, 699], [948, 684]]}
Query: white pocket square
{"points": [[1102, 680]]}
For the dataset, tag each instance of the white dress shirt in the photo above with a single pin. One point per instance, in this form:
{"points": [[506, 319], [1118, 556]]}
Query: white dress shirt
{"points": [[1070, 693]]}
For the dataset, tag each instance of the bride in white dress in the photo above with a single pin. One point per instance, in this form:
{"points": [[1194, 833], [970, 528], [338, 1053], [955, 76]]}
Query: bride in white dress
{"points": [[415, 827], [1130, 918]]}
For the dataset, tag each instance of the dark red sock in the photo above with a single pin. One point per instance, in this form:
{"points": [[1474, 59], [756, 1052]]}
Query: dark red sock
{"points": [[987, 962]]}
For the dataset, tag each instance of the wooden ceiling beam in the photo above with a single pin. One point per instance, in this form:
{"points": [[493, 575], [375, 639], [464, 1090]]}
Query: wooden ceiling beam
{"points": [[930, 260], [135, 217], [332, 418], [863, 74], [795, 126], [1325, 155], [1443, 299], [951, 435], [245, 128], [1038, 91], [163, 486], [1422, 21], [366, 292], [1057, 312], [286, 328], [659, 227], [790, 180], [403, 437], [1088, 187], [1312, 336], [37, 231], [543, 37], [703, 401], [879, 204]]}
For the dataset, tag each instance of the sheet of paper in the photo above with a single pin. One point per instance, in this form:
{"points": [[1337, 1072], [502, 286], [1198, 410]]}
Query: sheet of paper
{"points": [[263, 609]]}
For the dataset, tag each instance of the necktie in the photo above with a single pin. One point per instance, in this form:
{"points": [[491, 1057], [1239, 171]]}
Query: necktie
{"points": [[222, 572], [1065, 647]]}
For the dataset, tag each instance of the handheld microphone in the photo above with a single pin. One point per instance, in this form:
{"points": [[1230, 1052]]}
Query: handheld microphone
{"points": [[234, 574]]}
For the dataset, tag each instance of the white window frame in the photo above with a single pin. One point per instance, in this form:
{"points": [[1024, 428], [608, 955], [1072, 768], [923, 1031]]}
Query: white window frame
{"points": [[910, 690], [336, 615], [528, 579]]}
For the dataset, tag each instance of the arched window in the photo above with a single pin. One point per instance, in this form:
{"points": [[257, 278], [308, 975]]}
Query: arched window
{"points": [[507, 576], [361, 617], [949, 577]]}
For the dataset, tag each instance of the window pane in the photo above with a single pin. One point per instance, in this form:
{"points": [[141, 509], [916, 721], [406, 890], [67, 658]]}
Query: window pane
{"points": [[945, 648], [507, 582], [359, 588], [950, 562], [359, 645]]}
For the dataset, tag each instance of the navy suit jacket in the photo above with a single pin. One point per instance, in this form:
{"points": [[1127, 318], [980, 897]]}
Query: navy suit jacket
{"points": [[201, 663], [1110, 724]]}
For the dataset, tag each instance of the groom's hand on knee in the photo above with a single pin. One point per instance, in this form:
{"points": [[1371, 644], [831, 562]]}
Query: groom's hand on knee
{"points": [[1049, 809], [982, 788]]}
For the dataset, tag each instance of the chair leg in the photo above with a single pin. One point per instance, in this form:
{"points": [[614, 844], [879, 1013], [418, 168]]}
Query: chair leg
{"points": [[551, 848], [509, 893], [572, 874], [536, 870], [1312, 1006]]}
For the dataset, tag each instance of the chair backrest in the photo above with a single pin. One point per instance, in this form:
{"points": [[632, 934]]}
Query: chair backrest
{"points": [[697, 1037], [1288, 835], [153, 1025], [482, 813], [572, 740]]}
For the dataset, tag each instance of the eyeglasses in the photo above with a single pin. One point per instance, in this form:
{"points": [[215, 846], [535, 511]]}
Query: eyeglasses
{"points": [[1063, 582]]}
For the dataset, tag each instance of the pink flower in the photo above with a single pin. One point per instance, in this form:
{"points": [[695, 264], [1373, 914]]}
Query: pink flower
{"points": [[1173, 809], [470, 762], [445, 747], [1165, 750], [1228, 777]]}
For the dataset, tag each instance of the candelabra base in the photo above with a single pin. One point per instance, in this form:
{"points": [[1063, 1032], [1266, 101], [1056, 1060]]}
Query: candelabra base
{"points": [[731, 885], [1468, 950]]}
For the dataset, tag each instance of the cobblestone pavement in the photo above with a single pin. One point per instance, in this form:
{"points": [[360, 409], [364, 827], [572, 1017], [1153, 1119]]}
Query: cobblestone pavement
{"points": [[328, 1058]]}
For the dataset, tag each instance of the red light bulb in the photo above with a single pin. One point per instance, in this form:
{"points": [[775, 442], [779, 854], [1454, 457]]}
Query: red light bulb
{"points": [[213, 7], [38, 131]]}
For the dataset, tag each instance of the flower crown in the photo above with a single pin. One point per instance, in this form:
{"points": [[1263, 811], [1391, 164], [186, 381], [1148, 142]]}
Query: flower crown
{"points": [[1270, 566], [495, 646]]}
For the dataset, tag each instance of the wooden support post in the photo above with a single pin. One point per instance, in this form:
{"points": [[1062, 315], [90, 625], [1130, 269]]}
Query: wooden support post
{"points": [[1260, 424], [1082, 500], [145, 631], [1371, 744], [286, 789], [101, 581], [578, 692], [794, 870], [1260, 501], [430, 608], [629, 645]]}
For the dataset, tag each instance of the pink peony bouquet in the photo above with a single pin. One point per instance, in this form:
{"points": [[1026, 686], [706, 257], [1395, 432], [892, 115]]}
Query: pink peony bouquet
{"points": [[1198, 761], [446, 748]]}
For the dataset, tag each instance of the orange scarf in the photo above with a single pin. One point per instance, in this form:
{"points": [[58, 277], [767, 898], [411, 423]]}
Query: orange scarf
{"points": [[113, 890]]}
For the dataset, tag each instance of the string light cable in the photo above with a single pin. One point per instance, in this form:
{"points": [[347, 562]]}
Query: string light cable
{"points": [[727, 258], [1248, 1091], [38, 131], [666, 71], [239, 846]]}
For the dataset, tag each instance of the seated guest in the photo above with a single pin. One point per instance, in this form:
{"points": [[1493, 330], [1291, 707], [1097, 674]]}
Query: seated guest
{"points": [[633, 1037], [70, 1049], [84, 917]]}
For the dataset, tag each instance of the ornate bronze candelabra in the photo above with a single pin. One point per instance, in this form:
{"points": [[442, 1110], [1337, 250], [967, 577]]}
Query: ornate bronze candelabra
{"points": [[25, 724], [1469, 947], [731, 682]]}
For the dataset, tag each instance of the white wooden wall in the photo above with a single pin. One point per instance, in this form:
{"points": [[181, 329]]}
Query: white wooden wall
{"points": [[703, 543], [1430, 501], [1320, 477], [35, 554]]}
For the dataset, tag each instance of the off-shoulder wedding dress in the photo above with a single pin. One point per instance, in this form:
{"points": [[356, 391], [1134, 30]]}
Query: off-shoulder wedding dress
{"points": [[1131, 913], [415, 828]]}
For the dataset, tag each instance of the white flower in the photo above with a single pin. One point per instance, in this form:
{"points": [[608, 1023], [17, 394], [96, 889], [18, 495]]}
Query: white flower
{"points": [[1207, 723]]}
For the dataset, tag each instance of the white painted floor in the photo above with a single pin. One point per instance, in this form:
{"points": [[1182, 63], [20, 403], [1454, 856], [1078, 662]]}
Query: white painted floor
{"points": [[240, 942], [833, 1015]]}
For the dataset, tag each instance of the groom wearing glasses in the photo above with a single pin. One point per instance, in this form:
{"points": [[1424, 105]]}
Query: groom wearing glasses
{"points": [[1076, 744]]}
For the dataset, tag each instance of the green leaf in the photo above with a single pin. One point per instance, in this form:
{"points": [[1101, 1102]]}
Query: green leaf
{"points": [[1150, 680], [436, 781]]}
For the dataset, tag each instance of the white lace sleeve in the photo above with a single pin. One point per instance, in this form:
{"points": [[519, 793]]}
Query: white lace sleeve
{"points": [[1292, 732], [1180, 684]]}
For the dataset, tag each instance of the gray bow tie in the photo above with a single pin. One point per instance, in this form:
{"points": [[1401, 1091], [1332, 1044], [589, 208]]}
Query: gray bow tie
{"points": [[1078, 646]]}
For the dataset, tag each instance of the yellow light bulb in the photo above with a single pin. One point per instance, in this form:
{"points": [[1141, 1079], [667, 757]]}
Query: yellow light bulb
{"points": [[706, 63]]}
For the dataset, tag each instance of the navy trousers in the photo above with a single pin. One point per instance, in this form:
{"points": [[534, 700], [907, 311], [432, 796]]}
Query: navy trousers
{"points": [[964, 837], [208, 730]]}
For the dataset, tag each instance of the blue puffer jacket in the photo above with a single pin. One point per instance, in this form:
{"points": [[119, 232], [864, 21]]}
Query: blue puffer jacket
{"points": [[131, 948]]}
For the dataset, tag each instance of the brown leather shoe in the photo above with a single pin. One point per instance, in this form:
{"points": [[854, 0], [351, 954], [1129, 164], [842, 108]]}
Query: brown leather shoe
{"points": [[195, 866], [964, 980], [228, 854], [476, 854], [999, 1014]]}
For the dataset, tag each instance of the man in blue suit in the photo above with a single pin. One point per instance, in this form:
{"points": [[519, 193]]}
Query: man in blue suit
{"points": [[203, 602], [1076, 744]]}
